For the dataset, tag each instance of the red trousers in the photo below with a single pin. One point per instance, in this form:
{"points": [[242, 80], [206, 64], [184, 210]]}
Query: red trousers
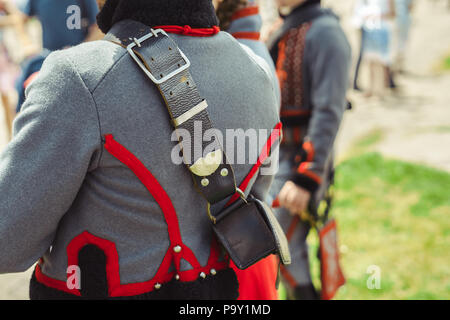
{"points": [[258, 281]]}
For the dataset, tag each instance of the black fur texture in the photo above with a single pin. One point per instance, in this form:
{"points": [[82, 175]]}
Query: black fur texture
{"points": [[195, 13]]}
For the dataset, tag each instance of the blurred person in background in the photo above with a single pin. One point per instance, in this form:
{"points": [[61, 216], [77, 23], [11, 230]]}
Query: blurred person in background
{"points": [[403, 9], [65, 23], [376, 17], [242, 19], [312, 57], [11, 18], [358, 22]]}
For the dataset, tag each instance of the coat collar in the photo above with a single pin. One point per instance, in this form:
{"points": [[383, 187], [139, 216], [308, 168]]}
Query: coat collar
{"points": [[196, 14]]}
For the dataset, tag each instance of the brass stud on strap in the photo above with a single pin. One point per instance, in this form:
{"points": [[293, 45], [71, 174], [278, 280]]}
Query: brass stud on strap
{"points": [[177, 277], [158, 286], [203, 275], [213, 272], [177, 249], [224, 172], [205, 182]]}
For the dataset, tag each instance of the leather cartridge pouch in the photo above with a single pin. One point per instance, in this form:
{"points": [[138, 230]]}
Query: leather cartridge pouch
{"points": [[249, 232], [247, 229]]}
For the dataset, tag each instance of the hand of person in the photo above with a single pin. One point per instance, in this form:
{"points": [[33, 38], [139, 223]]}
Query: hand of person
{"points": [[294, 198]]}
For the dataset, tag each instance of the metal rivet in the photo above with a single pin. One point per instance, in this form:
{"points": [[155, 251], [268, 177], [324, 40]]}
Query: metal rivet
{"points": [[177, 249], [177, 277], [158, 286], [224, 172], [203, 275], [205, 182], [213, 272]]}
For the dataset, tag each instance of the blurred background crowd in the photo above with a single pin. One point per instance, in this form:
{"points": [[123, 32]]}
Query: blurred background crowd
{"points": [[393, 175]]}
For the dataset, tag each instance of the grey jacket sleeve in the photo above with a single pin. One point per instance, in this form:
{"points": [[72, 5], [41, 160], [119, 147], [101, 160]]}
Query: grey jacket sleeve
{"points": [[56, 142], [328, 59]]}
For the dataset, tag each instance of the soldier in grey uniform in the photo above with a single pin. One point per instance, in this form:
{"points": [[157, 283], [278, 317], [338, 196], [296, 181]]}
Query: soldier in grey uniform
{"points": [[312, 56], [88, 184]]}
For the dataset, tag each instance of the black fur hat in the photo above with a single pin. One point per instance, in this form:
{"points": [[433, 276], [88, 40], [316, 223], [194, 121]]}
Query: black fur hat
{"points": [[195, 13]]}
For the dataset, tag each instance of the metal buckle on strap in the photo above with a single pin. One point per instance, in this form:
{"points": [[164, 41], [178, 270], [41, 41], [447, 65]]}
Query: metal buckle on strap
{"points": [[138, 43], [241, 195]]}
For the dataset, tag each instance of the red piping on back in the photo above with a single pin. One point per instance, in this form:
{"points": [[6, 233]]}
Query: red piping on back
{"points": [[115, 288], [276, 134]]}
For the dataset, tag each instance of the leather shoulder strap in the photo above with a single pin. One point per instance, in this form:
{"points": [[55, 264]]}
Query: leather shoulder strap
{"points": [[165, 64]]}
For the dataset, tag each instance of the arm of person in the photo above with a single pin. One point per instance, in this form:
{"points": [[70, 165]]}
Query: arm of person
{"points": [[328, 64], [328, 60], [56, 143]]}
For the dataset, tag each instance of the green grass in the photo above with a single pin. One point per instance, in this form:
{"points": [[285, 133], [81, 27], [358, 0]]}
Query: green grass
{"points": [[442, 64], [394, 215], [446, 63], [369, 139], [366, 142]]}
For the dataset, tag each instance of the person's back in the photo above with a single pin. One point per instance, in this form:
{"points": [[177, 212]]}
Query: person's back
{"points": [[105, 165]]}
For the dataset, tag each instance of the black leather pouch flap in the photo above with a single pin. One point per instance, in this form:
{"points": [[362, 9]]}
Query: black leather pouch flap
{"points": [[249, 233]]}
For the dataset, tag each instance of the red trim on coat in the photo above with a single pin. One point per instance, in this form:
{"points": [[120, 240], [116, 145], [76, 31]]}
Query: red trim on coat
{"points": [[281, 73], [115, 288], [308, 146], [30, 79], [258, 281], [53, 283], [297, 132], [249, 35], [249, 11], [303, 169], [276, 134], [152, 185], [189, 31], [294, 113]]}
